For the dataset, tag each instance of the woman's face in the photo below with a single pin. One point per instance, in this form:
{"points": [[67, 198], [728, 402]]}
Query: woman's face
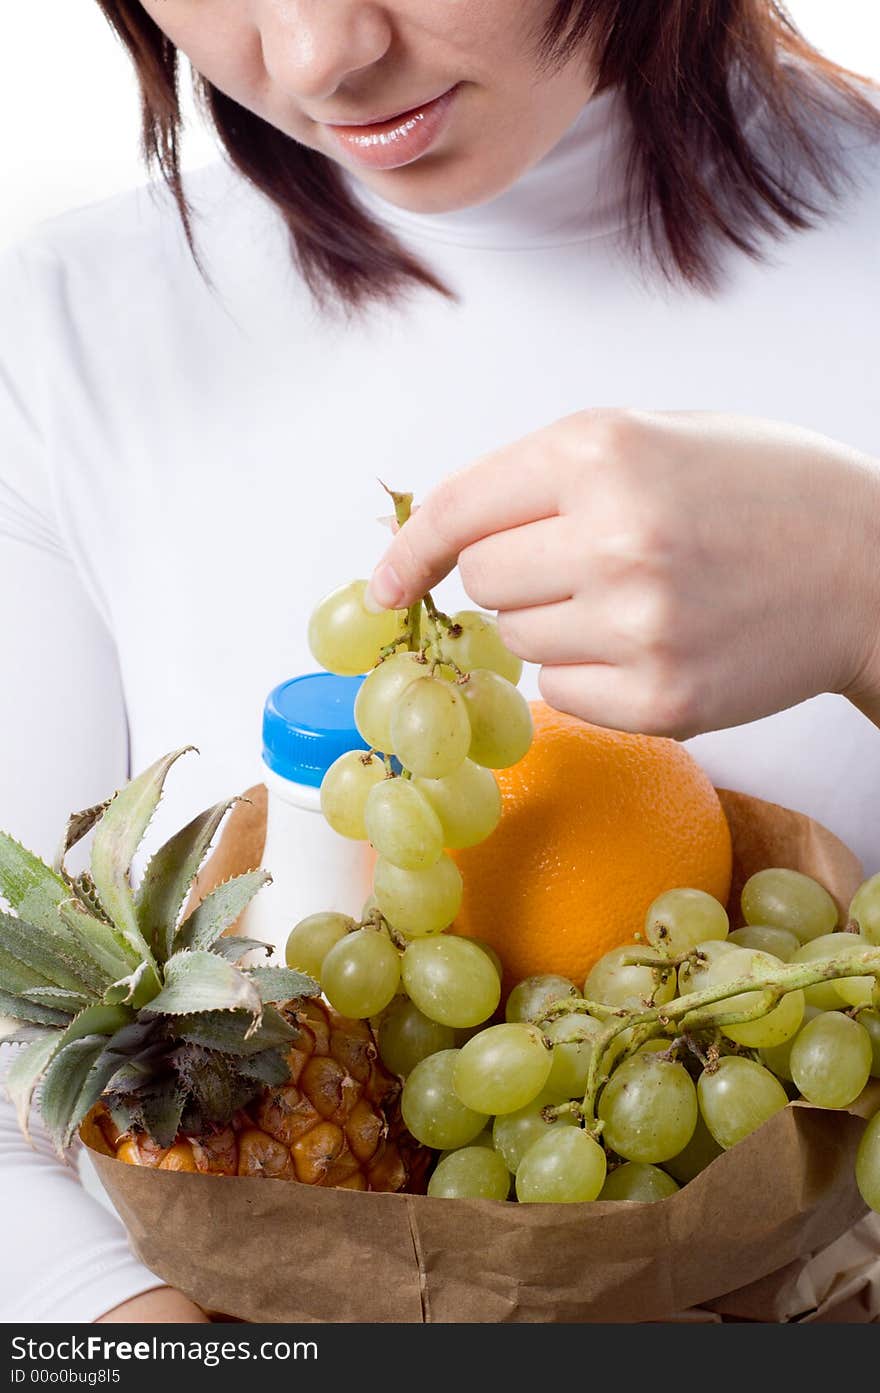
{"points": [[470, 107]]}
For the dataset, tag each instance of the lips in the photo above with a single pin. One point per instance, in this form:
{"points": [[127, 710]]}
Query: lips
{"points": [[396, 140]]}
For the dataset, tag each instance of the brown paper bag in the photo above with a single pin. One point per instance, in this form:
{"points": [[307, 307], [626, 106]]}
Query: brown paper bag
{"points": [[772, 1230]]}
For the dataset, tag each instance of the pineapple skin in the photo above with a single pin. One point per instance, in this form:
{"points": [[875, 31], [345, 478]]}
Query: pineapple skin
{"points": [[335, 1124]]}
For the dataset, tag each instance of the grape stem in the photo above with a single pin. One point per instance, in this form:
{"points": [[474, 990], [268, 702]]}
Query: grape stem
{"points": [[765, 989], [403, 511], [413, 636]]}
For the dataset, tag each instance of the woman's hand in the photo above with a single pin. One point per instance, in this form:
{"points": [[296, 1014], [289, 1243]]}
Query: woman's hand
{"points": [[160, 1306], [671, 573]]}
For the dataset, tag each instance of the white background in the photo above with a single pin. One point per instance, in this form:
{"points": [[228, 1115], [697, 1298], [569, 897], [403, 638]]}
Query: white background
{"points": [[69, 110]]}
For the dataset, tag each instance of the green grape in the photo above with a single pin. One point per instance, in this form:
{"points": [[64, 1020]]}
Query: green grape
{"points": [[500, 720], [484, 1139], [503, 1068], [432, 1111], [361, 974], [346, 638], [514, 1132], [830, 996], [345, 789], [532, 996], [479, 645], [370, 907], [451, 980], [649, 1107], [470, 1173], [831, 1060], [406, 1037], [613, 984], [695, 974], [402, 825], [778, 1025], [418, 903], [467, 802], [868, 1164], [780, 943], [700, 1152], [490, 954], [638, 1183], [378, 693], [680, 919], [737, 1097], [778, 1057], [310, 941], [857, 991], [572, 1038], [865, 909], [789, 900], [430, 730], [870, 1021], [563, 1167]]}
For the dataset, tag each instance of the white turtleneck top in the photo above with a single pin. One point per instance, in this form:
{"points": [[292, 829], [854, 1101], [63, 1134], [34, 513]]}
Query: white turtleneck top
{"points": [[186, 468]]}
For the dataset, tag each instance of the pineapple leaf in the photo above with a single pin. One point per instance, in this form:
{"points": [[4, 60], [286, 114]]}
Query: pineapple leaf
{"points": [[100, 940], [200, 981], [169, 876], [14, 1032], [58, 998], [282, 983], [136, 990], [269, 1067], [219, 910], [136, 1074], [160, 1110], [228, 1031], [66, 1087], [29, 886], [233, 947], [69, 1088], [87, 895], [25, 1073], [20, 1010], [16, 978], [117, 838], [50, 951], [78, 825], [213, 1079]]}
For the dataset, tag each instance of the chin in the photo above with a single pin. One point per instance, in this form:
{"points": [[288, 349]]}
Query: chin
{"points": [[441, 183]]}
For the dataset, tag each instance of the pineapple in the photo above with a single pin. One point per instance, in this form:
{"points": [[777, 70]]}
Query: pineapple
{"points": [[151, 1038]]}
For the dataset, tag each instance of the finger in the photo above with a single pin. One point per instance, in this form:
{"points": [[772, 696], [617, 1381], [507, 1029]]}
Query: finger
{"points": [[506, 489], [523, 566], [600, 693], [559, 633], [620, 698]]}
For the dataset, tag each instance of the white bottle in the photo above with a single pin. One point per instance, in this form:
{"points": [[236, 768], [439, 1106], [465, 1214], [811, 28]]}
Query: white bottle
{"points": [[308, 723]]}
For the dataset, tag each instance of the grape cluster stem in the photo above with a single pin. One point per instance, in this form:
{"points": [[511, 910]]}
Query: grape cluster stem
{"points": [[766, 988], [412, 637]]}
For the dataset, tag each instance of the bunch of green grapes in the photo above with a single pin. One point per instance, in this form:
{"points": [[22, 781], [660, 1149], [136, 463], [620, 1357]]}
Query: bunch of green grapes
{"points": [[439, 710], [508, 1104]]}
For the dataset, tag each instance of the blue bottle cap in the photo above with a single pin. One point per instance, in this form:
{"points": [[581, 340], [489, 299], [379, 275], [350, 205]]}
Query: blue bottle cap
{"points": [[308, 723]]}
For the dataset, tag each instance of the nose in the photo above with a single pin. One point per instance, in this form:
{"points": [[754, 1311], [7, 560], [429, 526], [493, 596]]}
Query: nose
{"points": [[311, 47]]}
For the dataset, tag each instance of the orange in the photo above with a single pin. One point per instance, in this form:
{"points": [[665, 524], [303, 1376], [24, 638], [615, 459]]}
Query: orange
{"points": [[595, 824]]}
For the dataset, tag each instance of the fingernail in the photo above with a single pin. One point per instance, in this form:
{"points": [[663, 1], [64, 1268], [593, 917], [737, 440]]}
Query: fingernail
{"points": [[385, 590]]}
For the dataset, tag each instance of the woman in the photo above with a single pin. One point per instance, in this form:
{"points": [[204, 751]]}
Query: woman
{"points": [[505, 230]]}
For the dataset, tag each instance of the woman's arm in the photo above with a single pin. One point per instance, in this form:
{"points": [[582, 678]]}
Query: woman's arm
{"points": [[671, 573], [63, 745]]}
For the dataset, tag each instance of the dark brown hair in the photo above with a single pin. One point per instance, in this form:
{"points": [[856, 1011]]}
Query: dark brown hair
{"points": [[698, 178]]}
